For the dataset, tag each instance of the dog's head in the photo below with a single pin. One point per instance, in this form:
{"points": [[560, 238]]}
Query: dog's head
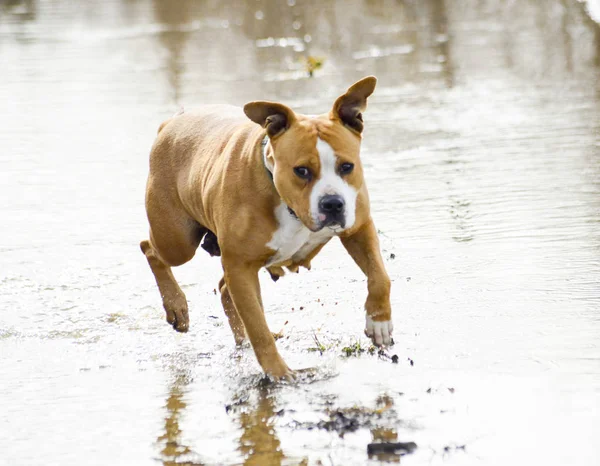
{"points": [[315, 161]]}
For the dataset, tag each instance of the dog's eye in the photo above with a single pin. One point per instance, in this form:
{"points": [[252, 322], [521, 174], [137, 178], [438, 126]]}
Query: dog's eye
{"points": [[346, 168], [302, 172]]}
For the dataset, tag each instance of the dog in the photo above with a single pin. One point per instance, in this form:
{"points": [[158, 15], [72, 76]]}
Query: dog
{"points": [[266, 189]]}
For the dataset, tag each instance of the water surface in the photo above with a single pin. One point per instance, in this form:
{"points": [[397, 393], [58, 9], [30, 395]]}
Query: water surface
{"points": [[482, 156]]}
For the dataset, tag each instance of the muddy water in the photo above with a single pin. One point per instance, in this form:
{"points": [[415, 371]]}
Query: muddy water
{"points": [[482, 153]]}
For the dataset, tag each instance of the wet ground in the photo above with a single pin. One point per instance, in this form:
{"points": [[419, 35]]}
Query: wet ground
{"points": [[482, 154]]}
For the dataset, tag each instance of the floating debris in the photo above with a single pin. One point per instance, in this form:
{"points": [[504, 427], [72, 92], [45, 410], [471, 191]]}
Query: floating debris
{"points": [[396, 448], [384, 355], [449, 448], [312, 64], [353, 349], [347, 420], [321, 348]]}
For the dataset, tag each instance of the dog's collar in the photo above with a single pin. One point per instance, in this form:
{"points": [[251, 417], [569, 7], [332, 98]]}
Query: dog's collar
{"points": [[264, 147]]}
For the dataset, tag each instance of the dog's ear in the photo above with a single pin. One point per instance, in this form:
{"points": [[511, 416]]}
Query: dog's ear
{"points": [[348, 108], [274, 117]]}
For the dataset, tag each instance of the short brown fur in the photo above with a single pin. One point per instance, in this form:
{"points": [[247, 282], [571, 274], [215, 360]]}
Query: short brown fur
{"points": [[207, 175]]}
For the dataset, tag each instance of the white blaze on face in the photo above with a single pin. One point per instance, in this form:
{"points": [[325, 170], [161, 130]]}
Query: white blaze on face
{"points": [[332, 183]]}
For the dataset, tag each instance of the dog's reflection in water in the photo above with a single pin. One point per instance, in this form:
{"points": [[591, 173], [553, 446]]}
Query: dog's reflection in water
{"points": [[170, 441], [255, 412], [259, 443]]}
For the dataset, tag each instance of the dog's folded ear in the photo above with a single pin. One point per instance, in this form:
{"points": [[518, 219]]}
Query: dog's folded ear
{"points": [[272, 116], [349, 107]]}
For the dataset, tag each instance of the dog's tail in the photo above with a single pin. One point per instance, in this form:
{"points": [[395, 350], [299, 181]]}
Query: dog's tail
{"points": [[164, 123]]}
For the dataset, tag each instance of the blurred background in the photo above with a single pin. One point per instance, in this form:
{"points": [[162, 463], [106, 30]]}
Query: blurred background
{"points": [[482, 156]]}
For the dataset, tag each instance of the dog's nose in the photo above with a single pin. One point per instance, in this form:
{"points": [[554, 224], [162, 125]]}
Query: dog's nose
{"points": [[331, 204]]}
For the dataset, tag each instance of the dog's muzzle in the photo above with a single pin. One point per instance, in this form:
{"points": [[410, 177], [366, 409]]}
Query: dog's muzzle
{"points": [[332, 209]]}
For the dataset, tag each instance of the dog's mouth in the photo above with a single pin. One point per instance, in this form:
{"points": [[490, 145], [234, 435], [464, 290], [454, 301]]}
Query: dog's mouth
{"points": [[336, 225]]}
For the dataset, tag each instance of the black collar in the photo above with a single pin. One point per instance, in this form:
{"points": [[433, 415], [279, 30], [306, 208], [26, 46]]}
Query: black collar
{"points": [[263, 150]]}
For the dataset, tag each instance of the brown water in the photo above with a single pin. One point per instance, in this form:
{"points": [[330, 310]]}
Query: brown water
{"points": [[482, 153]]}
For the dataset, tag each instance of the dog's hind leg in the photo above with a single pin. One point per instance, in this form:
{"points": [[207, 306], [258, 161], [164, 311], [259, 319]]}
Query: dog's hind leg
{"points": [[174, 238], [174, 300], [235, 321]]}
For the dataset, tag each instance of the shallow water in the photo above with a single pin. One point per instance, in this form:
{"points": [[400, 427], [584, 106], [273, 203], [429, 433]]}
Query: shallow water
{"points": [[482, 154]]}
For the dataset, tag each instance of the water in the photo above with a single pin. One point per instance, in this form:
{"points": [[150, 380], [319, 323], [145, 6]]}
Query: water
{"points": [[482, 154]]}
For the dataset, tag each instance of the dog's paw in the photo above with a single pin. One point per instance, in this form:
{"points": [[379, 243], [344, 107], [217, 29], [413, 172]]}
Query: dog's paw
{"points": [[281, 373], [379, 332], [177, 315]]}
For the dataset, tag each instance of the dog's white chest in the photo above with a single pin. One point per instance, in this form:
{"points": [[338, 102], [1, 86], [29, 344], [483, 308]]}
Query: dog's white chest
{"points": [[292, 239]]}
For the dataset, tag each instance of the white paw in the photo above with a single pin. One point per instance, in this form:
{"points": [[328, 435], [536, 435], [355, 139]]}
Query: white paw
{"points": [[379, 332]]}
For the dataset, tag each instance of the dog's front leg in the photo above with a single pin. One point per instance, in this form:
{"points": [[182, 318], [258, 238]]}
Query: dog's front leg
{"points": [[244, 289], [363, 246]]}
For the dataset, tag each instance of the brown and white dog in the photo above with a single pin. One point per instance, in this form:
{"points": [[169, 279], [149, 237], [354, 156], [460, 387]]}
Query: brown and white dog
{"points": [[269, 192]]}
